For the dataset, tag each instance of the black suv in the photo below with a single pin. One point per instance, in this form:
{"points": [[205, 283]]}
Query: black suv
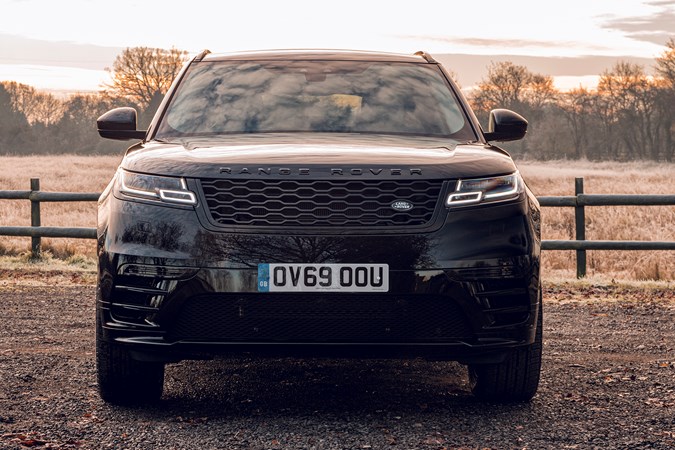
{"points": [[317, 203]]}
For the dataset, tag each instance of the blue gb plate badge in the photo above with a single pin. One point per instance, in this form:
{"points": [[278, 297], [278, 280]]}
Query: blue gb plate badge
{"points": [[263, 277]]}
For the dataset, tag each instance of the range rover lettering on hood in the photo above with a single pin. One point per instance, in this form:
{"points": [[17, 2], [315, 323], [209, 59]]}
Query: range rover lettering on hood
{"points": [[308, 171]]}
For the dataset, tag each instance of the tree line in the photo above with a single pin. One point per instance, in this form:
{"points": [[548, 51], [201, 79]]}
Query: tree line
{"points": [[34, 122], [629, 116]]}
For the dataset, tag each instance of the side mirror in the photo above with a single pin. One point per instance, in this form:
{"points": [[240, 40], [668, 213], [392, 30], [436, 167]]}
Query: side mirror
{"points": [[120, 124], [505, 125]]}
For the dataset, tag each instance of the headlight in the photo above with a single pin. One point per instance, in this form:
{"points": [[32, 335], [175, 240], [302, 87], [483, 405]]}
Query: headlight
{"points": [[484, 190], [152, 187]]}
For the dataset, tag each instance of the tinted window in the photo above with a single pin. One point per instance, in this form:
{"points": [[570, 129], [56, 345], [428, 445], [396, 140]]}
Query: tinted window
{"points": [[314, 96]]}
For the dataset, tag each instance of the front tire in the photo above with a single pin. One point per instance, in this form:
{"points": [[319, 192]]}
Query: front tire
{"points": [[515, 379], [124, 381]]}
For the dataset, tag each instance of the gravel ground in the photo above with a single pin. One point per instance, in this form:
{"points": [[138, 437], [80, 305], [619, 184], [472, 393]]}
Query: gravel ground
{"points": [[608, 382]]}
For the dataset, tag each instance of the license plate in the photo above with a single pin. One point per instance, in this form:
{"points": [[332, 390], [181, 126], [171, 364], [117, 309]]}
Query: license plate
{"points": [[323, 277]]}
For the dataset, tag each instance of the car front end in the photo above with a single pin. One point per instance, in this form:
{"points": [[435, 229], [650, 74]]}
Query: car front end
{"points": [[344, 243]]}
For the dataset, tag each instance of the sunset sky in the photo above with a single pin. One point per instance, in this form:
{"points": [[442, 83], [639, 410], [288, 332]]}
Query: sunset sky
{"points": [[65, 45]]}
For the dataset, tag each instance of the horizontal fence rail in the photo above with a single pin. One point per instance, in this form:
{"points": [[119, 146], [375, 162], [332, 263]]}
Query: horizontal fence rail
{"points": [[607, 245], [608, 200], [50, 196], [578, 201], [52, 232]]}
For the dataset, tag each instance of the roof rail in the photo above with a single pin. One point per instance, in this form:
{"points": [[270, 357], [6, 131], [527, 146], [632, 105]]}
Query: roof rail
{"points": [[202, 55], [426, 56]]}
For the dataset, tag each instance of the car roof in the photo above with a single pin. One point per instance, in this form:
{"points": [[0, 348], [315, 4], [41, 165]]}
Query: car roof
{"points": [[317, 54]]}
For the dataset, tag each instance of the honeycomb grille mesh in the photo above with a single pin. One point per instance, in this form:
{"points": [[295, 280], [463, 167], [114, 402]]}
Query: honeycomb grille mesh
{"points": [[304, 203], [321, 318]]}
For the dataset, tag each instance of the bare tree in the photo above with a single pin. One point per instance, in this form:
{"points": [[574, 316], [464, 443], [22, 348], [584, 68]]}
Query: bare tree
{"points": [[13, 123], [141, 74], [38, 107], [502, 88], [48, 109], [24, 98], [665, 64], [514, 87], [540, 91], [576, 106], [632, 96], [665, 69], [511, 86]]}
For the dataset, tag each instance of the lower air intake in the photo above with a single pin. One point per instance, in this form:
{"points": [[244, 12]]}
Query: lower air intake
{"points": [[327, 318]]}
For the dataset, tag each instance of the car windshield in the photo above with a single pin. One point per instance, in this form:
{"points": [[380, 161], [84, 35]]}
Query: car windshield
{"points": [[225, 97]]}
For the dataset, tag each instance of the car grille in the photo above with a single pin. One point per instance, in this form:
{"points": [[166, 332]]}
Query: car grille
{"points": [[303, 203], [326, 318]]}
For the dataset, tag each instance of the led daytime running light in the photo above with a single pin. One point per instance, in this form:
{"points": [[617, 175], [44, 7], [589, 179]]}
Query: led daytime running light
{"points": [[180, 196], [481, 190]]}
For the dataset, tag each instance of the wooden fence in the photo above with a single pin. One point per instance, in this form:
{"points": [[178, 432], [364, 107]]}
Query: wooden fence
{"points": [[579, 202]]}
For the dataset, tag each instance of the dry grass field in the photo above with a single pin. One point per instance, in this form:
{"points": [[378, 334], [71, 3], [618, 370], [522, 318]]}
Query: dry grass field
{"points": [[69, 173], [57, 173], [641, 223]]}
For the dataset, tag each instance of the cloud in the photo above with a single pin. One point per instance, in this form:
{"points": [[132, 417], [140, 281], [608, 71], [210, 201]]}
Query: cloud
{"points": [[16, 49], [483, 42], [659, 38], [656, 28], [508, 43]]}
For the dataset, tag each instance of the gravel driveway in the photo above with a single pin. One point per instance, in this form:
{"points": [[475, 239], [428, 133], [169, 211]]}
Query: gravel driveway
{"points": [[608, 382]]}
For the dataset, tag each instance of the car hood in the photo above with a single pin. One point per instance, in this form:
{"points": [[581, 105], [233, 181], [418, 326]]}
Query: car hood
{"points": [[317, 157]]}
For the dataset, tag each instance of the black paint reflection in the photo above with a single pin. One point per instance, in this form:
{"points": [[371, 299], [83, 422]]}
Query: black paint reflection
{"points": [[247, 251], [159, 234]]}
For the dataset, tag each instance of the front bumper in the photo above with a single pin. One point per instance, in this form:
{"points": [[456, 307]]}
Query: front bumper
{"points": [[170, 289]]}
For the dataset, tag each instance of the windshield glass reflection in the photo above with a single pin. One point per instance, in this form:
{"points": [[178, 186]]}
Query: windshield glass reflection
{"points": [[314, 96]]}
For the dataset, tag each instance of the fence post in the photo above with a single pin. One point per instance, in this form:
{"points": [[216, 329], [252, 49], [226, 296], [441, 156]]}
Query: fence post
{"points": [[35, 241], [580, 227]]}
